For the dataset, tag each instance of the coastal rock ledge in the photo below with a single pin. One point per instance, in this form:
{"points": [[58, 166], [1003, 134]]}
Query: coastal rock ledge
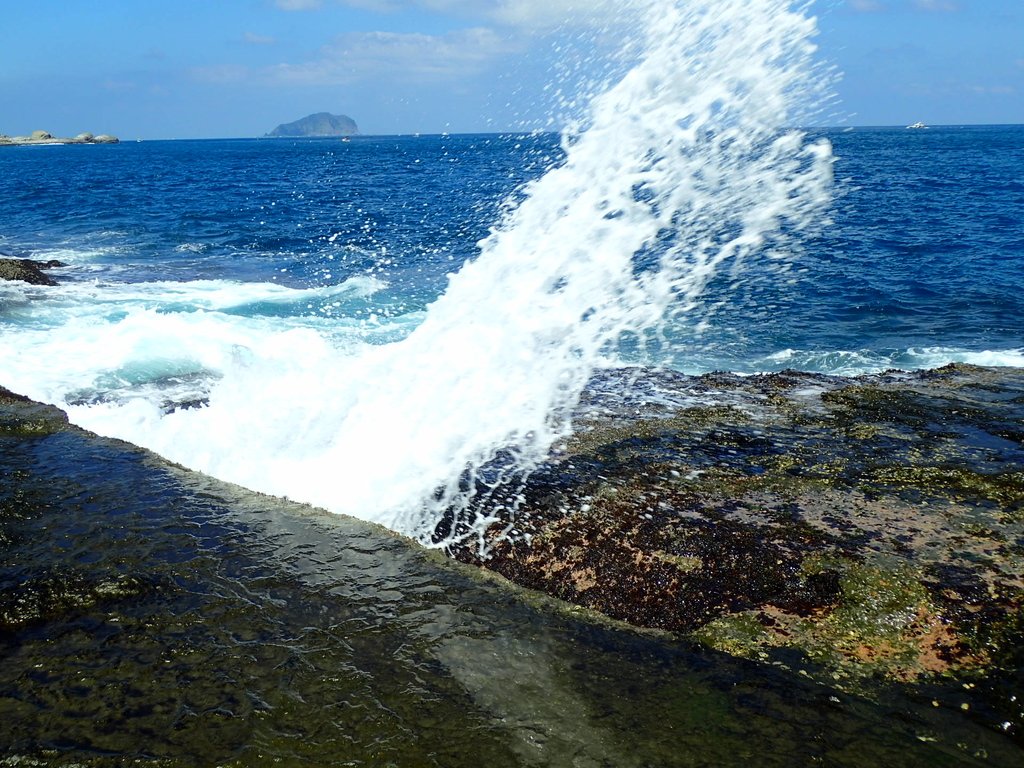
{"points": [[28, 270], [864, 530], [45, 137], [865, 533]]}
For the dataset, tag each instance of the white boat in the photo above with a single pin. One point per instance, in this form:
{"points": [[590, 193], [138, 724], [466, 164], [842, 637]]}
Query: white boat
{"points": [[918, 124]]}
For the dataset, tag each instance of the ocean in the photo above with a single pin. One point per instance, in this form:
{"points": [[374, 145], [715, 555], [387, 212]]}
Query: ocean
{"points": [[361, 324]]}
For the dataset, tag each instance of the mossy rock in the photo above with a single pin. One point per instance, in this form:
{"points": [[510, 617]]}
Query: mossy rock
{"points": [[21, 417], [884, 624]]}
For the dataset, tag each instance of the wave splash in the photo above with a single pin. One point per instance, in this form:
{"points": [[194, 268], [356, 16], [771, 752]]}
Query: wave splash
{"points": [[682, 168]]}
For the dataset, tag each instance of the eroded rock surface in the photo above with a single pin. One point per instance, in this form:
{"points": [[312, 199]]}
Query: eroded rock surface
{"points": [[28, 270], [873, 527]]}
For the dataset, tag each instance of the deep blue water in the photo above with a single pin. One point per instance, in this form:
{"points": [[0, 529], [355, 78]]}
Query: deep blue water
{"points": [[922, 262], [925, 252]]}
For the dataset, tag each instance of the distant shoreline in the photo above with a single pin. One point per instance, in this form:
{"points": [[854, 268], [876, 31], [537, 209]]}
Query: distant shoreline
{"points": [[100, 139], [37, 138]]}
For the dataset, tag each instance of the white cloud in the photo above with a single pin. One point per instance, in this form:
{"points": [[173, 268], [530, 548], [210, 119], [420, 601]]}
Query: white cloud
{"points": [[485, 33], [389, 56], [519, 14], [297, 5], [530, 14], [379, 6], [545, 13], [866, 6], [943, 6], [253, 39]]}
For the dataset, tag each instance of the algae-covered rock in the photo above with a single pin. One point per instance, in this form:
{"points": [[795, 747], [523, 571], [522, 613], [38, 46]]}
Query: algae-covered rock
{"points": [[58, 592], [21, 417], [873, 526], [27, 270], [153, 616]]}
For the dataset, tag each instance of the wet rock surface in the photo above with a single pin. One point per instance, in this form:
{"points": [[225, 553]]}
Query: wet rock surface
{"points": [[860, 529], [22, 417], [28, 270], [154, 616]]}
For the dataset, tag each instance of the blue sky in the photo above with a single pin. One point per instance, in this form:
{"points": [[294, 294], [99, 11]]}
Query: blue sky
{"points": [[225, 68]]}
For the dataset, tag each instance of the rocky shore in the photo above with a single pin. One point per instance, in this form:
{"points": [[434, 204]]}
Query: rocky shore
{"points": [[859, 530], [28, 270], [864, 534], [151, 615], [45, 137]]}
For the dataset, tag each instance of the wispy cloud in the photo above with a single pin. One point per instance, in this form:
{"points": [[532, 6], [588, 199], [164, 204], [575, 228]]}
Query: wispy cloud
{"points": [[298, 5], [379, 6], [388, 56], [546, 13], [484, 34], [253, 39], [530, 14], [866, 6], [941, 6], [520, 14]]}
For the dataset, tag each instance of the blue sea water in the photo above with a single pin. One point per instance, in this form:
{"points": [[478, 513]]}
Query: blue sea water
{"points": [[922, 262]]}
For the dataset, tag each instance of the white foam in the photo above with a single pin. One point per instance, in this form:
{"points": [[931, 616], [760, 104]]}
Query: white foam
{"points": [[103, 337], [859, 362], [79, 254], [100, 298]]}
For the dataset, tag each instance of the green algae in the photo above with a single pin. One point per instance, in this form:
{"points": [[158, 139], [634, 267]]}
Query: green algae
{"points": [[684, 563], [62, 592], [884, 624], [592, 436], [738, 634], [878, 618], [21, 417], [1003, 488]]}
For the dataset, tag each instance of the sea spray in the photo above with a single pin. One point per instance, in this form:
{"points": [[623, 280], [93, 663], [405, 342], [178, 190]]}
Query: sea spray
{"points": [[684, 166]]}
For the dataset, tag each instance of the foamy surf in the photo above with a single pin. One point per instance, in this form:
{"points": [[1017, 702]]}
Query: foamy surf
{"points": [[860, 362]]}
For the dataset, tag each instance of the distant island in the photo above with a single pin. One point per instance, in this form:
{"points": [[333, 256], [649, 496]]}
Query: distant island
{"points": [[321, 124], [44, 137]]}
